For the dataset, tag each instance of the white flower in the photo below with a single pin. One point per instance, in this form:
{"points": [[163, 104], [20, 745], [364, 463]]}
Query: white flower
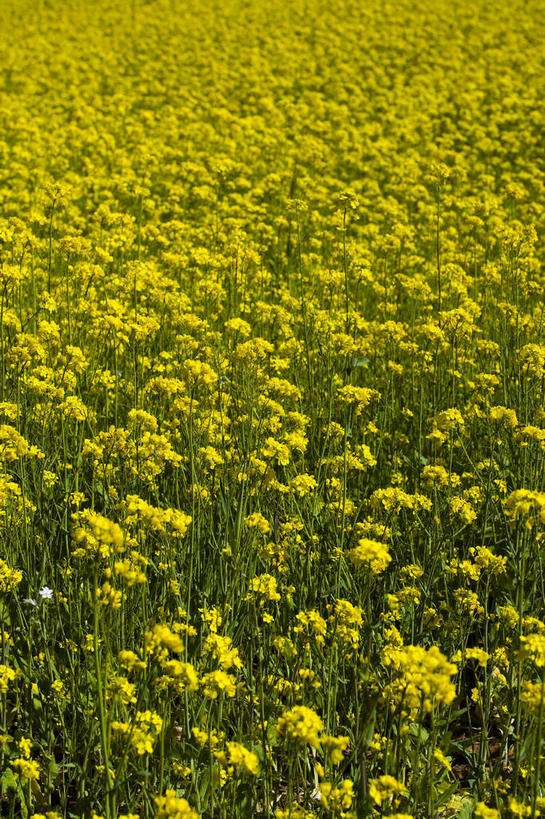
{"points": [[29, 601], [46, 593]]}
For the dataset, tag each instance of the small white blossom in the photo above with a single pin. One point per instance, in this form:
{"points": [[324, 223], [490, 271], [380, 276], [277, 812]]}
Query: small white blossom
{"points": [[46, 593]]}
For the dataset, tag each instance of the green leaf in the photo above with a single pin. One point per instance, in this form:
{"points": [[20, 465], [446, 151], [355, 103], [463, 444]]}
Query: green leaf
{"points": [[369, 730], [467, 811], [419, 730], [8, 781]]}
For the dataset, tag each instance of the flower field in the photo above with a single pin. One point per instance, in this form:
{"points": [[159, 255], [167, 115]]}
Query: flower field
{"points": [[272, 409]]}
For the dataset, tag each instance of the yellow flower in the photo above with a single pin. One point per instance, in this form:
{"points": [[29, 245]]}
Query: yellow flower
{"points": [[109, 597], [257, 521], [370, 553], [182, 676], [495, 564], [130, 661], [527, 505], [237, 755], [161, 639], [9, 578], [276, 449], [26, 768], [263, 588], [294, 812], [533, 647], [303, 484], [171, 806], [506, 417], [301, 724], [336, 747], [475, 653], [337, 798], [425, 677], [7, 675], [532, 696], [121, 690], [217, 682], [384, 788], [25, 746], [222, 650], [441, 758], [518, 808], [483, 812]]}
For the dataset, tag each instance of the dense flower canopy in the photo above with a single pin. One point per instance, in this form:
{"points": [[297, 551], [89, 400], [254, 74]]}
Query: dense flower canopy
{"points": [[272, 413]]}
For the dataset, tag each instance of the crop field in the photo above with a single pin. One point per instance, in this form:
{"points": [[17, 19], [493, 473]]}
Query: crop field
{"points": [[272, 409]]}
